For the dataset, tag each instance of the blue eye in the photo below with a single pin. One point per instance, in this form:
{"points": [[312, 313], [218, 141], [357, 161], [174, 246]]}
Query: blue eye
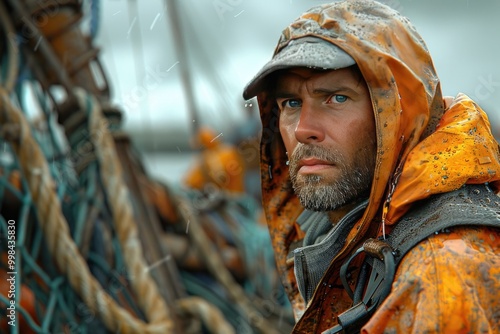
{"points": [[339, 98], [292, 103]]}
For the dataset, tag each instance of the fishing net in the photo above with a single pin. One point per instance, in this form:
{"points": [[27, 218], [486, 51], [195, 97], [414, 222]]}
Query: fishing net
{"points": [[83, 251], [77, 253]]}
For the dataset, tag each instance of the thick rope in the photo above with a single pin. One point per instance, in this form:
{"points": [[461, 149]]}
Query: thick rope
{"points": [[35, 168], [119, 198], [55, 228], [211, 316], [216, 266]]}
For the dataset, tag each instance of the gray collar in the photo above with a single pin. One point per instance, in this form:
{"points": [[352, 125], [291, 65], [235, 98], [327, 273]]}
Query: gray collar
{"points": [[321, 244]]}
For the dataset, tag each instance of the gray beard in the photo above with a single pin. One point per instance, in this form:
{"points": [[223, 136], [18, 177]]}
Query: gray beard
{"points": [[353, 184]]}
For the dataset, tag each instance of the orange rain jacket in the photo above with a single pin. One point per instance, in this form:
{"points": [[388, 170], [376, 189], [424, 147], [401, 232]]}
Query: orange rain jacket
{"points": [[450, 282]]}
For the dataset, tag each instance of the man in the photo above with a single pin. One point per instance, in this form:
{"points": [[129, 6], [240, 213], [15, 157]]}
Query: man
{"points": [[365, 167]]}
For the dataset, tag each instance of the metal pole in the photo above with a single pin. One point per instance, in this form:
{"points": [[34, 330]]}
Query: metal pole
{"points": [[180, 50]]}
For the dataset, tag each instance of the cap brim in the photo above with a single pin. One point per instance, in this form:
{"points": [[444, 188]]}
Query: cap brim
{"points": [[308, 51]]}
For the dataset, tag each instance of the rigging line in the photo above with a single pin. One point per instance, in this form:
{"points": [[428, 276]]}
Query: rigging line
{"points": [[173, 15], [95, 11], [13, 50], [140, 72], [208, 65], [50, 58]]}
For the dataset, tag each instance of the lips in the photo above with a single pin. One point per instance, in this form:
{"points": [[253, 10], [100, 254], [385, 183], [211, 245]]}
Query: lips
{"points": [[312, 165]]}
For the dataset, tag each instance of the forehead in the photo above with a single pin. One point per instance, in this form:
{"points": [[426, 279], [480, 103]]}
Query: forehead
{"points": [[302, 75]]}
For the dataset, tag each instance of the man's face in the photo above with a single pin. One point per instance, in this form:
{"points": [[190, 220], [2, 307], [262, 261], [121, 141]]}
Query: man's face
{"points": [[328, 128]]}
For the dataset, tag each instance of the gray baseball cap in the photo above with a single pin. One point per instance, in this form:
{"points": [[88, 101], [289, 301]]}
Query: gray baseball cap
{"points": [[309, 51]]}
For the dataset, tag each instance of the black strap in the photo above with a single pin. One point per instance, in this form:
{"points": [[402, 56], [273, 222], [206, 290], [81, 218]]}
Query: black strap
{"points": [[471, 205]]}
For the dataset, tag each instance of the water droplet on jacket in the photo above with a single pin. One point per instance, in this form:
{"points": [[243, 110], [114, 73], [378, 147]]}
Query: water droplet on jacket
{"points": [[485, 271], [484, 160]]}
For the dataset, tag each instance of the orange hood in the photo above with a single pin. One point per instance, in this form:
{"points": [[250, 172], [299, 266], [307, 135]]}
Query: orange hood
{"points": [[422, 149]]}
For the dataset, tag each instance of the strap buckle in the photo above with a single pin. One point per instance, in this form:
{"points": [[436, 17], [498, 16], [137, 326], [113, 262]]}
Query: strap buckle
{"points": [[381, 259]]}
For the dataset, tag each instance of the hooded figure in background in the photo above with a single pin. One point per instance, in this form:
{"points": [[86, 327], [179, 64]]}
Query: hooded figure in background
{"points": [[360, 153], [218, 166]]}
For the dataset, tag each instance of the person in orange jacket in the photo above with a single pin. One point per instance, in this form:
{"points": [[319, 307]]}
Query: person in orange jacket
{"points": [[380, 194], [218, 166]]}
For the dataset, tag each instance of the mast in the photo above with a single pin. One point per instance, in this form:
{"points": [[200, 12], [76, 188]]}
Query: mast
{"points": [[180, 51]]}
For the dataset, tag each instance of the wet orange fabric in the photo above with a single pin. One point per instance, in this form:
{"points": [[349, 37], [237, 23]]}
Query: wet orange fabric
{"points": [[462, 298], [423, 148], [461, 150]]}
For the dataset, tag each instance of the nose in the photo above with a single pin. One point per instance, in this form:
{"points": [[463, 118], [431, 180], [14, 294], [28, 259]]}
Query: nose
{"points": [[309, 128]]}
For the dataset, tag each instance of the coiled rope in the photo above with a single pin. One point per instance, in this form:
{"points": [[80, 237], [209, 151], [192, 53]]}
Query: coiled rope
{"points": [[62, 247], [16, 129]]}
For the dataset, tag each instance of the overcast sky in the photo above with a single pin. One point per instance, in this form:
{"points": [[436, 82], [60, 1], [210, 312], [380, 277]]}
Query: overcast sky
{"points": [[227, 41]]}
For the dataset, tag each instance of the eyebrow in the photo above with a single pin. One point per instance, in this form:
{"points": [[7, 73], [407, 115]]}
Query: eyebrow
{"points": [[283, 94]]}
